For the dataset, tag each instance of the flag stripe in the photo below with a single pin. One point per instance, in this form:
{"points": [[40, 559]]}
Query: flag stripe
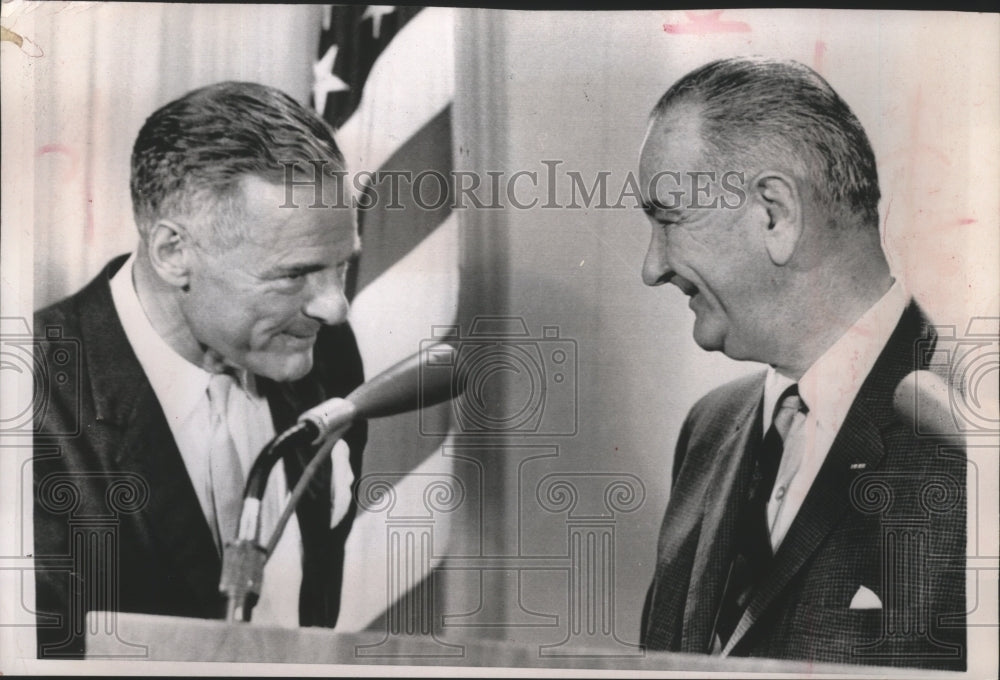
{"points": [[408, 271], [408, 208], [410, 83], [365, 583], [398, 310]]}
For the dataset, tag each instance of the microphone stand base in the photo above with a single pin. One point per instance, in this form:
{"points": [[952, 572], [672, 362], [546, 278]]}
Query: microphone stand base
{"points": [[242, 576]]}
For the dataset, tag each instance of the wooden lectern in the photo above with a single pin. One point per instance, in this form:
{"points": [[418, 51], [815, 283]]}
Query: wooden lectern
{"points": [[163, 638]]}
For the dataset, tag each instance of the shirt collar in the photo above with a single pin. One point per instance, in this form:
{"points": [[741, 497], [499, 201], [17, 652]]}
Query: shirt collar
{"points": [[178, 384], [829, 386]]}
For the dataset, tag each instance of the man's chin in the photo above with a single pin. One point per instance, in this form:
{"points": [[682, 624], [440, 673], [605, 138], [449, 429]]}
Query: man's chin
{"points": [[709, 339], [284, 368], [720, 342]]}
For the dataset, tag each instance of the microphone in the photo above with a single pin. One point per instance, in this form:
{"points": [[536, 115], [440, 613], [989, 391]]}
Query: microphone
{"points": [[403, 387], [400, 388], [924, 400]]}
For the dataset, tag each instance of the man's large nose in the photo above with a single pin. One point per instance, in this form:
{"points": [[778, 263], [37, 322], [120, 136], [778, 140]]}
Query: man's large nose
{"points": [[655, 269], [327, 302]]}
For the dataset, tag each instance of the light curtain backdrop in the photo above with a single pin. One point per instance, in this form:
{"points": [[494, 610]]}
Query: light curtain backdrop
{"points": [[105, 68]]}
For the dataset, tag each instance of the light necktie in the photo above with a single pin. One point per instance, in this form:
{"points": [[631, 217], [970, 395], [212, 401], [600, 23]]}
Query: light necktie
{"points": [[225, 470], [753, 541]]}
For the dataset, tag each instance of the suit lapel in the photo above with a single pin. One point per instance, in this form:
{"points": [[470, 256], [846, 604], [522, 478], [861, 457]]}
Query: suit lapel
{"points": [[287, 401], [172, 522], [721, 511], [860, 440], [176, 525], [172, 525]]}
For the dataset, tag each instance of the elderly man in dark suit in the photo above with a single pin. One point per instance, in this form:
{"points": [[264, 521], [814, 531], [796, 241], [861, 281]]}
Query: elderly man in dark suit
{"points": [[227, 321], [806, 520]]}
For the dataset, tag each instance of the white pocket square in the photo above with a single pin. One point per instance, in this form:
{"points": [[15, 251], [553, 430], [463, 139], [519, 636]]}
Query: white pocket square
{"points": [[865, 599]]}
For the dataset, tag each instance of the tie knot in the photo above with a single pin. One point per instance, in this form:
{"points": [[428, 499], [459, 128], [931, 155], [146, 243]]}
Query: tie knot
{"points": [[218, 391], [791, 398], [789, 403]]}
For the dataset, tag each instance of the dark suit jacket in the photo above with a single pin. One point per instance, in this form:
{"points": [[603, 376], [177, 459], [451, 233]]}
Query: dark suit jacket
{"points": [[117, 523], [886, 511]]}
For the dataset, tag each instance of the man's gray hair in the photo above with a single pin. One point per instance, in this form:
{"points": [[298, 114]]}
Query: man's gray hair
{"points": [[755, 111], [191, 155]]}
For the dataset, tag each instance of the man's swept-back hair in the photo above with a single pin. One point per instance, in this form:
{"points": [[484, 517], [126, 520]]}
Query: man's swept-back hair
{"points": [[754, 111], [190, 155]]}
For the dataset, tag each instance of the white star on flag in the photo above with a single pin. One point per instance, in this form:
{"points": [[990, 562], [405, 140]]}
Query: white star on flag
{"points": [[375, 13], [324, 80]]}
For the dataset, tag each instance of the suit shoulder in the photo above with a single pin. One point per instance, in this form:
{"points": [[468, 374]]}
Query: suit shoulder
{"points": [[57, 328], [93, 299], [725, 399], [59, 315], [711, 415]]}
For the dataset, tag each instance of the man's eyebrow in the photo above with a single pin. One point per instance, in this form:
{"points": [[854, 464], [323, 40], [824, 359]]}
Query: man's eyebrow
{"points": [[308, 268], [298, 269]]}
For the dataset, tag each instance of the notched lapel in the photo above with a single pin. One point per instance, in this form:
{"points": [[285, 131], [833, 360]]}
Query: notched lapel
{"points": [[175, 525], [859, 441], [721, 512], [858, 447], [172, 523], [116, 378], [287, 401]]}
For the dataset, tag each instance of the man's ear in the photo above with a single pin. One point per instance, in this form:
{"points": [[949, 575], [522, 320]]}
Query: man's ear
{"points": [[779, 195], [170, 251]]}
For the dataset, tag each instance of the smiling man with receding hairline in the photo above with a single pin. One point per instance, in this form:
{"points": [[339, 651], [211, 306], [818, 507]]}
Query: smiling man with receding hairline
{"points": [[226, 323], [766, 549]]}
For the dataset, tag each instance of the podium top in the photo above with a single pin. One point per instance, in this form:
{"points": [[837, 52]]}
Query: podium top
{"points": [[124, 636]]}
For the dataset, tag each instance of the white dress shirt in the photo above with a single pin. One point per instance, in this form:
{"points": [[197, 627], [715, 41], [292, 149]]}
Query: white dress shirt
{"points": [[182, 391], [828, 388]]}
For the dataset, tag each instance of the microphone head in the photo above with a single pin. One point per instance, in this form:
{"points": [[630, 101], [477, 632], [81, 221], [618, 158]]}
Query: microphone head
{"points": [[406, 386], [924, 401]]}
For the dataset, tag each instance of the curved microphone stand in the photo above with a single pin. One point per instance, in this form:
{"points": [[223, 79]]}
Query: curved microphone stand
{"points": [[400, 388]]}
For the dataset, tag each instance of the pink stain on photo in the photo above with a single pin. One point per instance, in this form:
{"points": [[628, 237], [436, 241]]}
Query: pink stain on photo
{"points": [[818, 52], [708, 22], [64, 150], [70, 174]]}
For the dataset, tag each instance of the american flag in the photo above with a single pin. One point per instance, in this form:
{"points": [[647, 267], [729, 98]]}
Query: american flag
{"points": [[384, 79]]}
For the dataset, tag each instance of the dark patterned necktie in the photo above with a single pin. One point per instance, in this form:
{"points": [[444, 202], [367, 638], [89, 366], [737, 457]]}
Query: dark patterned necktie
{"points": [[753, 536]]}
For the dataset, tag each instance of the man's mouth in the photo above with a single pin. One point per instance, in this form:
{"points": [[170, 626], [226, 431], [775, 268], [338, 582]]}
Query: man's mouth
{"points": [[686, 286], [299, 339]]}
